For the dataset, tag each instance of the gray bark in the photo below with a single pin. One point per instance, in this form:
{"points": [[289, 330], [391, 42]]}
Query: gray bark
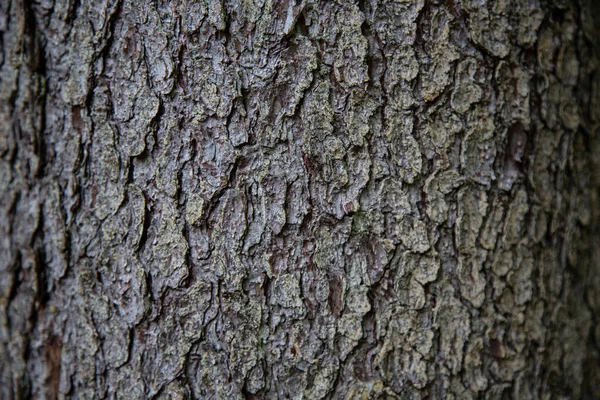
{"points": [[299, 199]]}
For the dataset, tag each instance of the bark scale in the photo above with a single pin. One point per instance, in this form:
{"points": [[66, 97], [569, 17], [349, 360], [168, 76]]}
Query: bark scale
{"points": [[287, 199]]}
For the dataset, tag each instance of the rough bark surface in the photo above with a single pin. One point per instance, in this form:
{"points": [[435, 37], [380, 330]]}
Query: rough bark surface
{"points": [[299, 199]]}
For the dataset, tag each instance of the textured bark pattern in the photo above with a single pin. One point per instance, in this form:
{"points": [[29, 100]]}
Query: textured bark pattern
{"points": [[299, 198]]}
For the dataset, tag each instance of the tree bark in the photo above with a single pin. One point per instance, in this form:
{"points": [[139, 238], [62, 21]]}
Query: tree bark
{"points": [[299, 199]]}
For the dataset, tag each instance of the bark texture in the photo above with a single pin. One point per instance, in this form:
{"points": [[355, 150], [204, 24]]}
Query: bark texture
{"points": [[299, 199]]}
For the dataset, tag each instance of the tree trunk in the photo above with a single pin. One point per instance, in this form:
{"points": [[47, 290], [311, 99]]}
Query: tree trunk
{"points": [[299, 199]]}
